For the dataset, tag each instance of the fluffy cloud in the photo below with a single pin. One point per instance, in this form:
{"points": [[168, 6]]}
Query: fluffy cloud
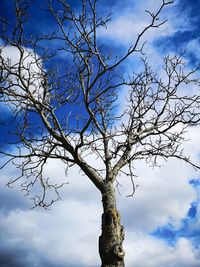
{"points": [[31, 73], [125, 27], [147, 251], [63, 236]]}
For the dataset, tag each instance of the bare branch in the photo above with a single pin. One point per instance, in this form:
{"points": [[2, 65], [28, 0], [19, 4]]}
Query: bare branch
{"points": [[70, 111]]}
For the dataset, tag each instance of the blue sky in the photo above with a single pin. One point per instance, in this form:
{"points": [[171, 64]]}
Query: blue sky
{"points": [[162, 220]]}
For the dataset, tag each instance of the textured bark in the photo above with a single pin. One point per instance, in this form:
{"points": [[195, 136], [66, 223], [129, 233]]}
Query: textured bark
{"points": [[111, 239]]}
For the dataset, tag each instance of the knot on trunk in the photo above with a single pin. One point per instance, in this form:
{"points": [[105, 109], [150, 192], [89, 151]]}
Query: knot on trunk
{"points": [[118, 251], [112, 216]]}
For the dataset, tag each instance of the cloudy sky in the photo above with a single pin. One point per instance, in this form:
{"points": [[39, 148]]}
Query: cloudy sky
{"points": [[162, 220]]}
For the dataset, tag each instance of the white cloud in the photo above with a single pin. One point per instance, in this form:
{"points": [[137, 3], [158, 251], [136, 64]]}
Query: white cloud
{"points": [[66, 233], [158, 198], [31, 73], [147, 251], [125, 27]]}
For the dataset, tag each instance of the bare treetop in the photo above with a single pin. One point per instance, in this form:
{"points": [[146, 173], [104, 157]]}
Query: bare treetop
{"points": [[63, 110]]}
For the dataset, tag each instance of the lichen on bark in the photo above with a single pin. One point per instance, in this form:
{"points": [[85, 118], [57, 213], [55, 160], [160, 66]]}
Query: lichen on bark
{"points": [[110, 242]]}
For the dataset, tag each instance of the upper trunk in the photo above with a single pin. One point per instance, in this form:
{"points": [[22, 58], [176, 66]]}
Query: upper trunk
{"points": [[110, 241]]}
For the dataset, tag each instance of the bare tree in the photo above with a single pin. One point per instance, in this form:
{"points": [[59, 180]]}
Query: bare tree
{"points": [[66, 111]]}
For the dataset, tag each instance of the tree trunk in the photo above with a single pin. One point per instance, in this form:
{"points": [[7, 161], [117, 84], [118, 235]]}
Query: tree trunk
{"points": [[112, 236]]}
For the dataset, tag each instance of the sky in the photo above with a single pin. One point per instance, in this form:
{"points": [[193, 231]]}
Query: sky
{"points": [[162, 219]]}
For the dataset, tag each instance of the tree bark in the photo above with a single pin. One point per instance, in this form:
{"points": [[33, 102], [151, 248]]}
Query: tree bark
{"points": [[112, 236]]}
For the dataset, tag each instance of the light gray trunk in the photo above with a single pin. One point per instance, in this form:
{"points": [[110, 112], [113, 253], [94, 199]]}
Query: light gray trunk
{"points": [[112, 236]]}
